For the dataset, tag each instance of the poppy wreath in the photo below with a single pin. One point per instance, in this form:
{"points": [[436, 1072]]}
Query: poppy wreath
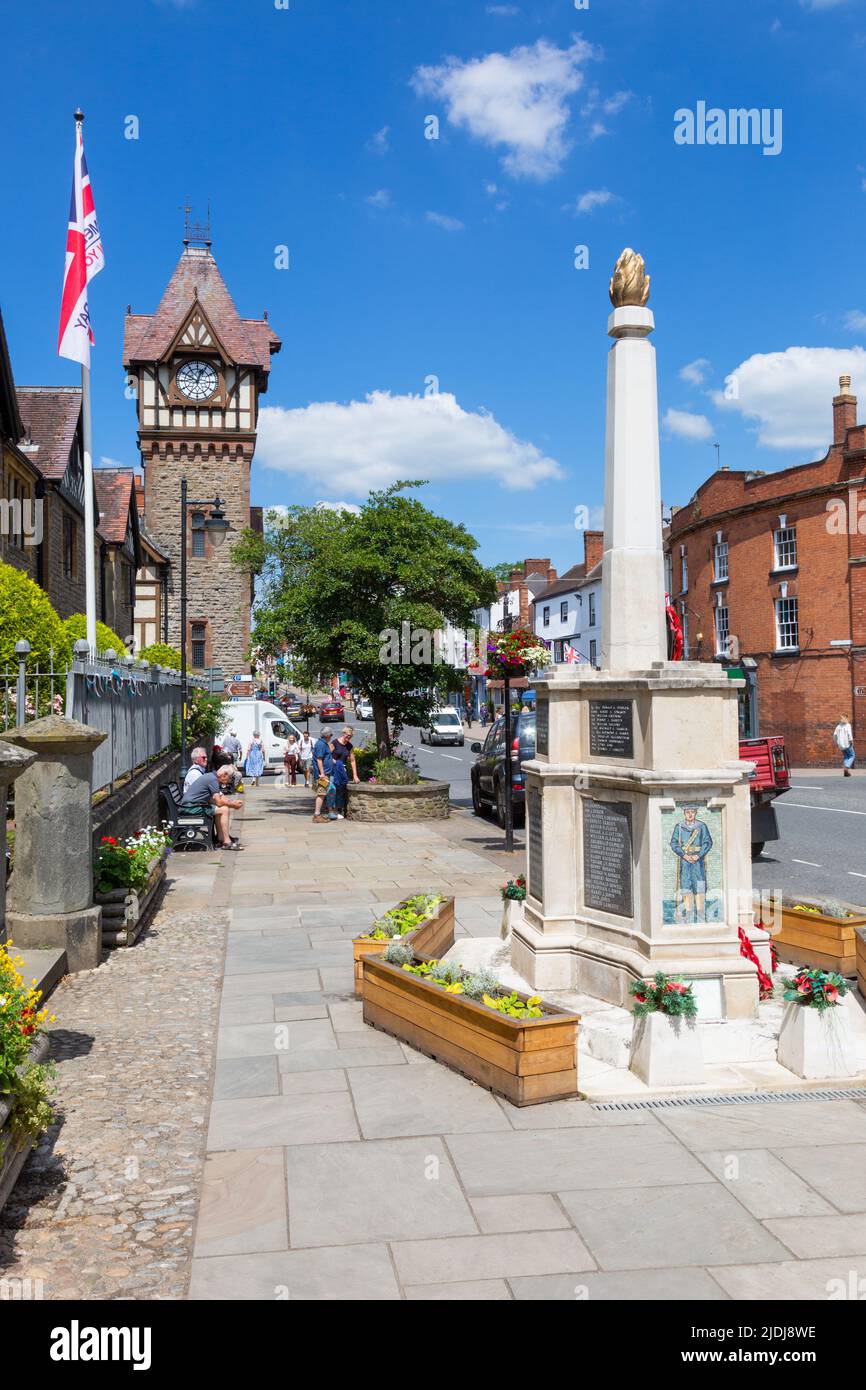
{"points": [[816, 989], [667, 994]]}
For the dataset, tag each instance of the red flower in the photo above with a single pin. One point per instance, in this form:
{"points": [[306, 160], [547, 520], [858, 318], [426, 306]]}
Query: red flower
{"points": [[674, 988], [640, 998], [831, 993]]}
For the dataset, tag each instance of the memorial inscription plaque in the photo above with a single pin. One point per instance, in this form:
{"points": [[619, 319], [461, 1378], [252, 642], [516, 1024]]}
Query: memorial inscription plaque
{"points": [[533, 836], [607, 856], [611, 732], [542, 725]]}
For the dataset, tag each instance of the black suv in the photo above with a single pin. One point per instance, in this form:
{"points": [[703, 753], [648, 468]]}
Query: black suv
{"points": [[488, 770]]}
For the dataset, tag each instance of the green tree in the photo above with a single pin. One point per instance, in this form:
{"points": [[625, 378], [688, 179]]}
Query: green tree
{"points": [[161, 654], [340, 586], [76, 626], [503, 570], [26, 612]]}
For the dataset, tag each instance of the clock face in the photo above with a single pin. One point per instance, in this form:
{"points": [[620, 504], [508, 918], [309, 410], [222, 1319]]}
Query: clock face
{"points": [[197, 380]]}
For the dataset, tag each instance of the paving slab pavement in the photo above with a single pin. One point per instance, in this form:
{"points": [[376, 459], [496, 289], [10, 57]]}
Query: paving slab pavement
{"points": [[291, 1152]]}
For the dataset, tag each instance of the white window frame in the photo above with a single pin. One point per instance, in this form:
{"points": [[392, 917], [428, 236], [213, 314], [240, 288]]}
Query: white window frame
{"points": [[563, 610], [593, 652], [592, 610], [684, 568], [545, 616], [722, 629], [785, 543], [787, 624], [720, 561]]}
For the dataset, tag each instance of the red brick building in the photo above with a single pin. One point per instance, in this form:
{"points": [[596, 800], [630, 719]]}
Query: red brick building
{"points": [[768, 571]]}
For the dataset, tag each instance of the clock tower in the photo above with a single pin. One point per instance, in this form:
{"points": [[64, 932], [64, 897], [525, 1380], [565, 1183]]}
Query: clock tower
{"points": [[198, 369]]}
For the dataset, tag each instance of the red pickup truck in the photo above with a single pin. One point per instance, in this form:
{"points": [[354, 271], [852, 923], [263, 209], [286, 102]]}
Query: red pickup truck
{"points": [[770, 778]]}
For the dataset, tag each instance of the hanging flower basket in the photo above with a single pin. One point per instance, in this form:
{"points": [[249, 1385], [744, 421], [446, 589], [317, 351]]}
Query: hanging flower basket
{"points": [[513, 655]]}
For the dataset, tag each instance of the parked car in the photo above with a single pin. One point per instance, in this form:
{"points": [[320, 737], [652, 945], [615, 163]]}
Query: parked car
{"points": [[445, 727], [363, 708], [488, 771], [331, 710], [249, 716], [292, 706]]}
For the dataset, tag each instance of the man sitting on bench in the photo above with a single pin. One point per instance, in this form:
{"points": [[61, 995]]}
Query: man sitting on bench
{"points": [[207, 792]]}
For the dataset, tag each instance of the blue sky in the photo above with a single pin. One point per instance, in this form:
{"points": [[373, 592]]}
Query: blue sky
{"points": [[453, 258]]}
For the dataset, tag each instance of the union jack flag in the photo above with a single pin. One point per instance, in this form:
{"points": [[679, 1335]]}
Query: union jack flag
{"points": [[572, 655], [84, 259]]}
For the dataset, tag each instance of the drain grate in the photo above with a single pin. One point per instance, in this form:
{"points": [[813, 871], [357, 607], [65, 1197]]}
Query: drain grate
{"points": [[752, 1098]]}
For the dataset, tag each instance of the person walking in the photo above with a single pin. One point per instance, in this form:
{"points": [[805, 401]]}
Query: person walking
{"points": [[305, 757], [232, 745], [323, 766], [291, 758], [255, 760], [843, 737]]}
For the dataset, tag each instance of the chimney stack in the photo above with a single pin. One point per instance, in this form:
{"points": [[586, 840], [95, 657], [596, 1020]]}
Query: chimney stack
{"points": [[844, 411]]}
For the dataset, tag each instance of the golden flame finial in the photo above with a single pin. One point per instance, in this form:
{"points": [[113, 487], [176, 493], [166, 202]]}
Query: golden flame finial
{"points": [[630, 283]]}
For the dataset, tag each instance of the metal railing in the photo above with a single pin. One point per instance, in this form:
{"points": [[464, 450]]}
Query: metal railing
{"points": [[132, 702]]}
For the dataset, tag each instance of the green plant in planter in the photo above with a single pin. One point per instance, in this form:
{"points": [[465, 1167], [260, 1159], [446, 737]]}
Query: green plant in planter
{"points": [[482, 987], [668, 994], [514, 889], [126, 863], [398, 954], [21, 1023], [405, 918], [816, 989]]}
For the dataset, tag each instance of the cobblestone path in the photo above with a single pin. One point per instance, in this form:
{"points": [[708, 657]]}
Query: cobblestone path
{"points": [[105, 1206]]}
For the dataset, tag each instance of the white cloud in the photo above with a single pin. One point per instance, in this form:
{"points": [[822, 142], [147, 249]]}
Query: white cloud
{"points": [[786, 395], [518, 100], [448, 224], [380, 199], [595, 198], [379, 143], [695, 373], [366, 444], [686, 425], [822, 4], [855, 321], [106, 462]]}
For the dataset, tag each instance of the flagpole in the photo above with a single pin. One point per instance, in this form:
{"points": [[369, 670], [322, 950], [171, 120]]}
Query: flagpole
{"points": [[89, 519]]}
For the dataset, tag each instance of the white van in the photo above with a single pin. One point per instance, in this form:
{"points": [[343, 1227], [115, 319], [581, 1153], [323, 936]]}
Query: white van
{"points": [[445, 727], [248, 717]]}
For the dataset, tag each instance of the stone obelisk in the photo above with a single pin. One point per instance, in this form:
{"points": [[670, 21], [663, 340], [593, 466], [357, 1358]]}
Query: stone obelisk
{"points": [[638, 814]]}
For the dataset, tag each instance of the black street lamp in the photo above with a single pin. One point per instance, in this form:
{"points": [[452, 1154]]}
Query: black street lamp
{"points": [[217, 526], [507, 626]]}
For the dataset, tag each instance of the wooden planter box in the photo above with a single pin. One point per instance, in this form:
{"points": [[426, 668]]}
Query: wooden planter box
{"points": [[126, 912], [433, 939], [813, 939], [13, 1152], [860, 939], [527, 1061]]}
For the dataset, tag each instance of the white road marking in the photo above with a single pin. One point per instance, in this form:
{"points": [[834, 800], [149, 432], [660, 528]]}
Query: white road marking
{"points": [[804, 787], [804, 806], [854, 874], [453, 756], [809, 862]]}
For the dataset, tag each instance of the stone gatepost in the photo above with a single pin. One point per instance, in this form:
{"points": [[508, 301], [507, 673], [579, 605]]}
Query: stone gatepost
{"points": [[51, 890], [13, 761]]}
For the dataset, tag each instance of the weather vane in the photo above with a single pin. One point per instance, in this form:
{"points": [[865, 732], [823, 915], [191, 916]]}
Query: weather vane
{"points": [[196, 232]]}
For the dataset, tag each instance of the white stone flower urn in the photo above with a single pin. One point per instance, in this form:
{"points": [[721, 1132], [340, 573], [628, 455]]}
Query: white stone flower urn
{"points": [[666, 1051], [817, 1042], [512, 911]]}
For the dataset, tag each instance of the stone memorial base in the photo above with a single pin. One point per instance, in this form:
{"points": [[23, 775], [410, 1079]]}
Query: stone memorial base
{"points": [[79, 934], [638, 839]]}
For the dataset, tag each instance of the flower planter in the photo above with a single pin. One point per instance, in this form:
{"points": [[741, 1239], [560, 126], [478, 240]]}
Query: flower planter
{"points": [[430, 941], [666, 1051], [512, 912], [14, 1151], [376, 801], [817, 1042], [860, 937], [525, 1060], [813, 938], [127, 911]]}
